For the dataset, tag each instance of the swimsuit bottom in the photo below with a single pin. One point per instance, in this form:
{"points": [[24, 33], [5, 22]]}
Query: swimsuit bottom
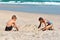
{"points": [[49, 23], [8, 28]]}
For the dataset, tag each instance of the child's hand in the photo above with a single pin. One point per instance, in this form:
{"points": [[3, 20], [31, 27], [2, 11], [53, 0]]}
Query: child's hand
{"points": [[17, 30]]}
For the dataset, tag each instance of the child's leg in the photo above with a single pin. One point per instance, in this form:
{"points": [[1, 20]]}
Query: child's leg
{"points": [[49, 27]]}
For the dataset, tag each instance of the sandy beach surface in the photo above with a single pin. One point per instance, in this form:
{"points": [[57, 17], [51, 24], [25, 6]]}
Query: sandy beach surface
{"points": [[27, 24]]}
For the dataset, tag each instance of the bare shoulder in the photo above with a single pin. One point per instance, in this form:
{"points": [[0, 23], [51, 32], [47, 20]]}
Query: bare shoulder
{"points": [[11, 21]]}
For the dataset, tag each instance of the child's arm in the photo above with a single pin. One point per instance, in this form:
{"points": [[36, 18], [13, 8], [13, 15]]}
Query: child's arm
{"points": [[16, 27], [39, 25], [45, 24]]}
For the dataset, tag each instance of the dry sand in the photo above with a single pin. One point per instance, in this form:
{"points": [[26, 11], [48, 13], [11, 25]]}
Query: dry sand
{"points": [[28, 23]]}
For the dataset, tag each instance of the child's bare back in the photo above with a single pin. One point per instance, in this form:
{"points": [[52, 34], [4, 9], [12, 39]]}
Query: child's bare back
{"points": [[10, 23]]}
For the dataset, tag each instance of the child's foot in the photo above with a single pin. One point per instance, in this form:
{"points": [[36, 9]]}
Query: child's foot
{"points": [[43, 29], [50, 29]]}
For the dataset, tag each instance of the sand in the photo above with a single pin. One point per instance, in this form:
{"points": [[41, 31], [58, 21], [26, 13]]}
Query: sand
{"points": [[27, 24]]}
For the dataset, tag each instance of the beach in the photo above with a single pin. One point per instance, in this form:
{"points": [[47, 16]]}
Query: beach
{"points": [[28, 26]]}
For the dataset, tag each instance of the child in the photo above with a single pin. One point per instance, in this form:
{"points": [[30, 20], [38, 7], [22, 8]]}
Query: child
{"points": [[11, 23], [48, 25]]}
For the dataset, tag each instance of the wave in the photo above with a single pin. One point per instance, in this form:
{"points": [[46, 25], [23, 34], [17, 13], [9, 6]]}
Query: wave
{"points": [[36, 3]]}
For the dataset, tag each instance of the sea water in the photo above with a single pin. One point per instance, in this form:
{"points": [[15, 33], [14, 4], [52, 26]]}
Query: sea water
{"points": [[32, 7]]}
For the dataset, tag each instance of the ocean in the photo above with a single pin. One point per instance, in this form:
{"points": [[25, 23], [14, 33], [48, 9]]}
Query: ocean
{"points": [[32, 7], [31, 0]]}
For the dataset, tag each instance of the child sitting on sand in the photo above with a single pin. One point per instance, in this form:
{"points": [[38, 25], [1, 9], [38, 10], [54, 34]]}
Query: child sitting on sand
{"points": [[11, 23], [48, 24]]}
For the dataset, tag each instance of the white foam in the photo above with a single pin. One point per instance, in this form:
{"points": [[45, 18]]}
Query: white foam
{"points": [[37, 3]]}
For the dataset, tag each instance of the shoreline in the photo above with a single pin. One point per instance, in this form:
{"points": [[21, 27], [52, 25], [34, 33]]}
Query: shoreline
{"points": [[32, 13]]}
